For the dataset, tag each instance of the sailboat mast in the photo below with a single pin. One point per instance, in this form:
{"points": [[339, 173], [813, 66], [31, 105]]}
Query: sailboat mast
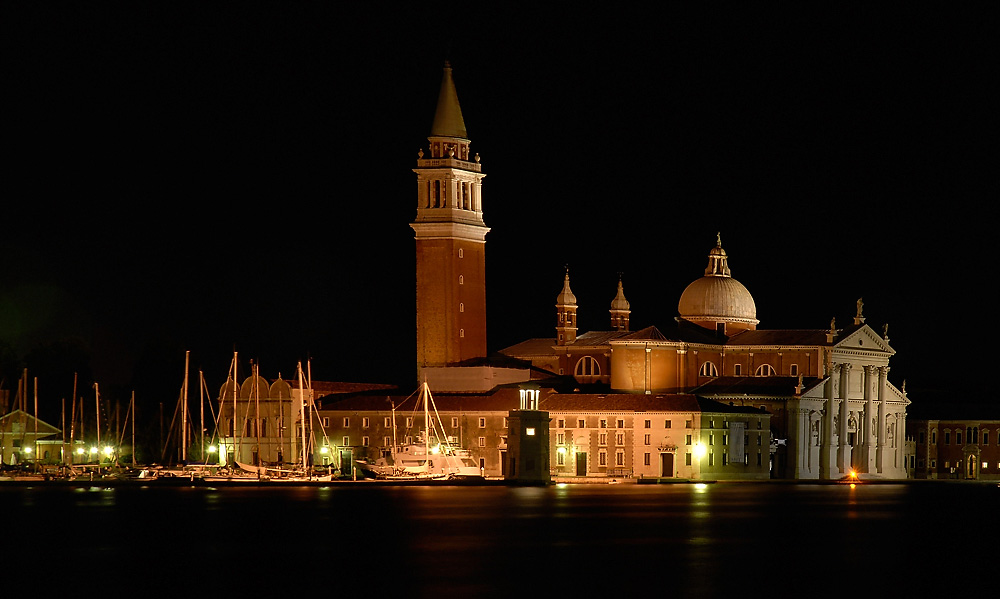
{"points": [[235, 455], [97, 402], [302, 415], [184, 408], [201, 411]]}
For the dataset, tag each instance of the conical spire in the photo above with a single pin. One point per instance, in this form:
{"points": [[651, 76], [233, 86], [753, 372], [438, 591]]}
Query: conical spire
{"points": [[620, 303], [566, 297], [448, 121]]}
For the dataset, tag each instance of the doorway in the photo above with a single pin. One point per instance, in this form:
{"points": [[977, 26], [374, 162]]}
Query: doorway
{"points": [[581, 463], [667, 465]]}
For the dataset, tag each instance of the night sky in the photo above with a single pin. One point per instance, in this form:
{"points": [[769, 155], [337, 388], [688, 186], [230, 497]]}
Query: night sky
{"points": [[238, 178]]}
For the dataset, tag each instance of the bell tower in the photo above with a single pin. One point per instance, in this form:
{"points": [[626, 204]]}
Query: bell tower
{"points": [[450, 241]]}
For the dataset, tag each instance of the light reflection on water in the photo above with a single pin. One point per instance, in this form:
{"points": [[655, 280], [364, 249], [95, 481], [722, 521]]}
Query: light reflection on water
{"points": [[694, 540]]}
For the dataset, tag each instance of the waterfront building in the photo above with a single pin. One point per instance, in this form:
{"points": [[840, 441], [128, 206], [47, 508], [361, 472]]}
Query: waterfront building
{"points": [[962, 443], [24, 438], [817, 402]]}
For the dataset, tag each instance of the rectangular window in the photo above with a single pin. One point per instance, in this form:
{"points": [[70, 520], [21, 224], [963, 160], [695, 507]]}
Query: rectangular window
{"points": [[581, 423], [560, 458], [688, 423], [364, 423], [666, 424], [711, 458], [687, 459], [602, 439], [711, 438], [620, 439], [347, 441], [645, 459], [482, 441], [604, 423], [619, 458], [505, 422], [560, 439], [793, 370], [326, 421], [387, 422], [986, 437], [386, 441], [759, 459], [347, 422], [934, 437], [687, 439], [645, 439], [647, 424], [947, 438], [482, 423], [602, 458], [409, 422], [364, 441], [620, 423], [737, 369], [922, 438], [454, 422], [560, 423]]}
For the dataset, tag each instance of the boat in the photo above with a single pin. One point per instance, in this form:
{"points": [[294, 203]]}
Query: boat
{"points": [[433, 457]]}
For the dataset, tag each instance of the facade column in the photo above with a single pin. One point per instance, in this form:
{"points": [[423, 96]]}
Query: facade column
{"points": [[866, 459], [844, 449], [828, 452], [880, 432]]}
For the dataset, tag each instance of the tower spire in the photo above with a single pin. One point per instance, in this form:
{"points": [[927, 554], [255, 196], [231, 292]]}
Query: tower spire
{"points": [[450, 242], [620, 309]]}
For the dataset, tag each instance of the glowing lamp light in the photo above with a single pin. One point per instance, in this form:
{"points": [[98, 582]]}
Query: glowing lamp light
{"points": [[530, 432], [212, 449], [108, 450], [561, 450], [700, 450], [27, 450], [435, 449], [324, 449], [93, 450], [79, 451]]}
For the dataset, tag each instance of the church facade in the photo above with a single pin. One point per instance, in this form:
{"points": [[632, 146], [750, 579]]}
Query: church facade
{"points": [[709, 395]]}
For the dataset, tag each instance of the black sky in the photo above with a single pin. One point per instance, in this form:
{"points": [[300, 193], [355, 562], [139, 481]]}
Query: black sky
{"points": [[220, 177]]}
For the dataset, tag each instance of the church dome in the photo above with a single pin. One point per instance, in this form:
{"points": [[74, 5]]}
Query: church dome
{"points": [[717, 297]]}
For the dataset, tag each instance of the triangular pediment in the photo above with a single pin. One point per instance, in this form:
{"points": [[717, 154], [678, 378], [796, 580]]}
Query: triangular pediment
{"points": [[864, 338]]}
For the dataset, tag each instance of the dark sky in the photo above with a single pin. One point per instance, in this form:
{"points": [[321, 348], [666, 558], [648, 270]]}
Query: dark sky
{"points": [[237, 177]]}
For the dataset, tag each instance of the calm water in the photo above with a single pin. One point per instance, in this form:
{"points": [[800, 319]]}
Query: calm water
{"points": [[680, 540]]}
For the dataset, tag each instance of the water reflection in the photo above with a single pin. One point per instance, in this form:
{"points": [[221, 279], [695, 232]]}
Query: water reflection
{"points": [[703, 540]]}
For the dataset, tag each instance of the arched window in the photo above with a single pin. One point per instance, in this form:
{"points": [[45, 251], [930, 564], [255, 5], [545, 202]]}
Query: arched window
{"points": [[764, 370], [708, 369], [587, 370]]}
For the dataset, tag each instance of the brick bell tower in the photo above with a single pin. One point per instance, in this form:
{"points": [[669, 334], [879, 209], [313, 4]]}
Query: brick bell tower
{"points": [[450, 242]]}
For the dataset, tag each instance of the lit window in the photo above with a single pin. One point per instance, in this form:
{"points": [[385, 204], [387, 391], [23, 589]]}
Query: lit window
{"points": [[764, 370], [529, 432], [708, 369]]}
